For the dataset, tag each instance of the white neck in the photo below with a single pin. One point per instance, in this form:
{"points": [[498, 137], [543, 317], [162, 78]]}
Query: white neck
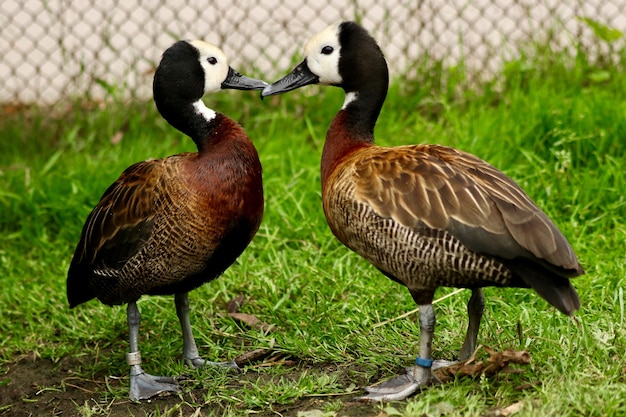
{"points": [[350, 97], [201, 109]]}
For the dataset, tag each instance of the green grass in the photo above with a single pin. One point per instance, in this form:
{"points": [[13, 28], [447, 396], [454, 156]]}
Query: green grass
{"points": [[545, 122]]}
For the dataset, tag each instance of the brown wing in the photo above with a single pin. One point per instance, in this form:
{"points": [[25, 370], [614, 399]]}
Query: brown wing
{"points": [[447, 189], [127, 203], [116, 228]]}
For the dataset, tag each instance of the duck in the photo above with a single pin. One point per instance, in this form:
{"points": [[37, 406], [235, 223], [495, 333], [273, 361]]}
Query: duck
{"points": [[425, 215], [166, 226]]}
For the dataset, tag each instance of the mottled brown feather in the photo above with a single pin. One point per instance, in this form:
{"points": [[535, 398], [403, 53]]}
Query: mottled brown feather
{"points": [[129, 201], [447, 189]]}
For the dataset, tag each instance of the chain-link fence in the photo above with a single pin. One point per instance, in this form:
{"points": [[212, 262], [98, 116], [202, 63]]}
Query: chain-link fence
{"points": [[53, 49]]}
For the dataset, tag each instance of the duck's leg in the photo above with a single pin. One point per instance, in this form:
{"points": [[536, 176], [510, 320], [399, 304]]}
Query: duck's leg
{"points": [[402, 386], [475, 307], [142, 385], [190, 351]]}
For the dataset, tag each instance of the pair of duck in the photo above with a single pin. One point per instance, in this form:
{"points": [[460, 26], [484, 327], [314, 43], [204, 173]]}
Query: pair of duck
{"points": [[425, 215]]}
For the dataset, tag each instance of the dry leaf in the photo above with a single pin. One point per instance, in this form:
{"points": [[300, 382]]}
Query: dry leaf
{"points": [[235, 303], [496, 362], [508, 410], [255, 355], [252, 321]]}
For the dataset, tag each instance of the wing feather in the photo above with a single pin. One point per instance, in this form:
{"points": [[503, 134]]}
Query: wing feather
{"points": [[447, 189], [123, 217]]}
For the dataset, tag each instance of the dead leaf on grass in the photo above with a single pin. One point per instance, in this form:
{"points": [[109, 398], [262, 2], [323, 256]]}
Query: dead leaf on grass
{"points": [[497, 362], [507, 411], [267, 356], [235, 303], [252, 356], [252, 321]]}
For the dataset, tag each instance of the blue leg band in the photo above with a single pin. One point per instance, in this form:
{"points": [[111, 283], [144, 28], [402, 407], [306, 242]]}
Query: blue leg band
{"points": [[424, 363]]}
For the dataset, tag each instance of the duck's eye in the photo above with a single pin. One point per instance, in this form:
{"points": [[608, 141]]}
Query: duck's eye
{"points": [[327, 50], [211, 60]]}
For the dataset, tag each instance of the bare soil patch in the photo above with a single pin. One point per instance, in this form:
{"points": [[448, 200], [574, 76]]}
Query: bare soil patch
{"points": [[39, 387]]}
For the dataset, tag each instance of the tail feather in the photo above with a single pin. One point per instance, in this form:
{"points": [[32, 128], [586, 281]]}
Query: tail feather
{"points": [[560, 294], [77, 285], [554, 288]]}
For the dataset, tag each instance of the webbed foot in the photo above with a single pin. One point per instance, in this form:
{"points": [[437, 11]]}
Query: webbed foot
{"points": [[144, 386], [401, 387], [395, 389]]}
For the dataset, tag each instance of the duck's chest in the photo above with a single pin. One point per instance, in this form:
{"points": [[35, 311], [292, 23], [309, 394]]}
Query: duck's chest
{"points": [[344, 214], [213, 196]]}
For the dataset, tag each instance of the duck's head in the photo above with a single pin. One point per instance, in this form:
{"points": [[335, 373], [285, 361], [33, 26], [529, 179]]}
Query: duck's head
{"points": [[342, 55], [188, 70], [191, 69]]}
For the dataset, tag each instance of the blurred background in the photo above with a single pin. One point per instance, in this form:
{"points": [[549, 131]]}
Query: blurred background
{"points": [[56, 49]]}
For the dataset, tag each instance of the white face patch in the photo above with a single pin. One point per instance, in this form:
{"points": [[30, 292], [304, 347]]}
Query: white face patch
{"points": [[214, 63], [322, 53]]}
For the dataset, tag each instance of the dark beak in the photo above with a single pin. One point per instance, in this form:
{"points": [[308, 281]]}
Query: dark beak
{"points": [[298, 77], [236, 81]]}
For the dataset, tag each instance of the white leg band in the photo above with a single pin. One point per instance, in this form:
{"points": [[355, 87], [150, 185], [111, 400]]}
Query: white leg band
{"points": [[133, 358]]}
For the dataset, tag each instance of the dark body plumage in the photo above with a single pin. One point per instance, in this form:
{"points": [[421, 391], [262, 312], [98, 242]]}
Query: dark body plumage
{"points": [[167, 226], [424, 215]]}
